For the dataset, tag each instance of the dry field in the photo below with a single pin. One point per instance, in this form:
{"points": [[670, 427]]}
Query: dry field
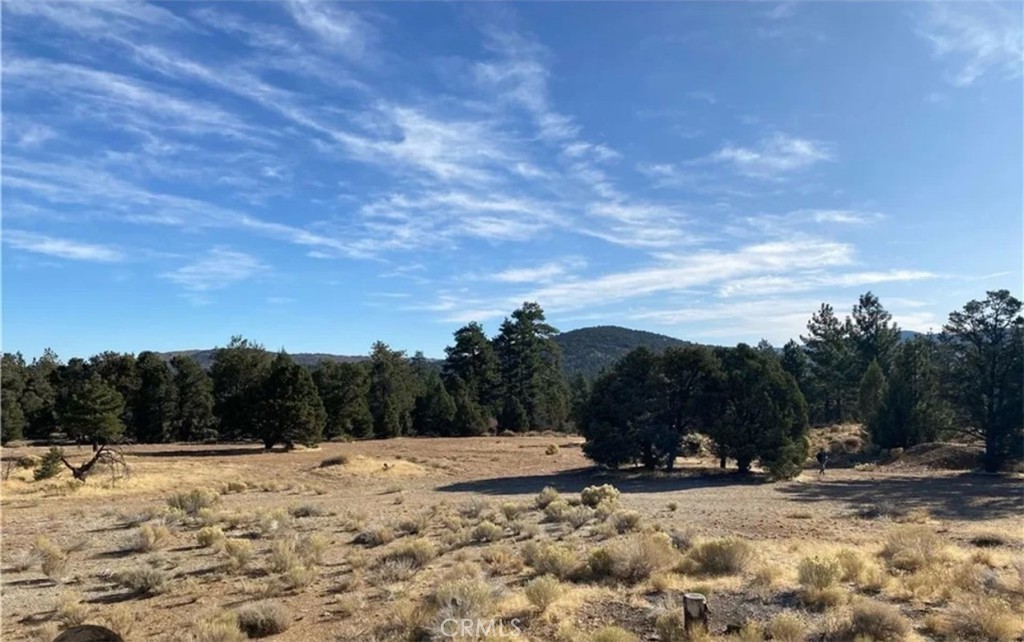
{"points": [[214, 543]]}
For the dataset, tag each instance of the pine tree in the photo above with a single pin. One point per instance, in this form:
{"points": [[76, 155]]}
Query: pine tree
{"points": [[794, 361], [392, 392], [985, 342], [469, 419], [39, 397], [120, 372], [290, 410], [828, 349], [691, 379], [434, 409], [193, 417], [513, 416], [91, 411], [872, 392], [472, 360], [155, 399], [912, 410], [344, 388], [530, 365], [763, 415], [12, 417], [238, 372], [874, 335]]}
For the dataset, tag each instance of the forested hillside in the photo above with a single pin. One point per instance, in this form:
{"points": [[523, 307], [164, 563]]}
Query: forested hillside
{"points": [[652, 391], [587, 351]]}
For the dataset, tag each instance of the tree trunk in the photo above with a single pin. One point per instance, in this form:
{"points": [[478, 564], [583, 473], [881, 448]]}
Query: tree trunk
{"points": [[695, 612], [721, 462], [743, 464]]}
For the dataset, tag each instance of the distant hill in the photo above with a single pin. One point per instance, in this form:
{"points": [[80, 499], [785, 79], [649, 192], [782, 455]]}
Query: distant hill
{"points": [[205, 357], [588, 350], [584, 351]]}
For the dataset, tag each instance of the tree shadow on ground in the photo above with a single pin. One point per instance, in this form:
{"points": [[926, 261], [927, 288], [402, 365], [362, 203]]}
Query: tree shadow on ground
{"points": [[576, 479], [205, 452], [966, 496]]}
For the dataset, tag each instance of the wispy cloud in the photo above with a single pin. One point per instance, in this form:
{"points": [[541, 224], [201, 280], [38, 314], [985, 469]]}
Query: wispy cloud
{"points": [[544, 273], [815, 280], [976, 38], [219, 268], [337, 28], [773, 156], [61, 248]]}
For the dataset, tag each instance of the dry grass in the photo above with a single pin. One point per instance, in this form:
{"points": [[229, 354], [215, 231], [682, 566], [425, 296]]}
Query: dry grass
{"points": [[909, 548], [543, 591], [625, 521], [261, 619], [142, 580], [239, 552], [487, 531], [633, 559], [878, 621], [594, 495], [53, 559], [986, 618], [338, 460], [191, 502], [377, 536], [417, 552], [613, 634], [70, 610], [551, 559], [788, 627], [545, 497], [209, 536], [150, 537], [721, 556]]}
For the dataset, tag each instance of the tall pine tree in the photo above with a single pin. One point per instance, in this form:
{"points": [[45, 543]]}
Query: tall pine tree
{"points": [[193, 418]]}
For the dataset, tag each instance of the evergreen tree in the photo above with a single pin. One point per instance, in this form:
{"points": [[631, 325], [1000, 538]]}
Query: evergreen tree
{"points": [[469, 419], [91, 411], [622, 420], [579, 392], [344, 388], [763, 415], [238, 372], [290, 410], [828, 349], [872, 392], [530, 365], [12, 417], [472, 360], [39, 397], [985, 342], [119, 370], [764, 346], [513, 416], [193, 417], [794, 361], [691, 377], [155, 399], [873, 333], [434, 408], [392, 392], [912, 411]]}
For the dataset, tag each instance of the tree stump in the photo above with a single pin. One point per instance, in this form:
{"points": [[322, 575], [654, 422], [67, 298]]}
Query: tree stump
{"points": [[695, 611]]}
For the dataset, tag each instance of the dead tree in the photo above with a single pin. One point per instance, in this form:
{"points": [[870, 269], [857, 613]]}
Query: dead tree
{"points": [[105, 455]]}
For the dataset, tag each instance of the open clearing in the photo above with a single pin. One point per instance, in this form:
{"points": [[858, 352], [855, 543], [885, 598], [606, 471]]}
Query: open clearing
{"points": [[369, 549]]}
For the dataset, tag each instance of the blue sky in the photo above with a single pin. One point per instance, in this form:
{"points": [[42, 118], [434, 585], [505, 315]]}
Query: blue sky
{"points": [[317, 176]]}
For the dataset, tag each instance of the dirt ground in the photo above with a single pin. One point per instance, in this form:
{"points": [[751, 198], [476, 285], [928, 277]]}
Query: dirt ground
{"points": [[383, 482]]}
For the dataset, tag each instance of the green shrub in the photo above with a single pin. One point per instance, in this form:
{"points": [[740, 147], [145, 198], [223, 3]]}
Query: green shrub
{"points": [[50, 465], [487, 531], [209, 536], [624, 521], [550, 559], [633, 559]]}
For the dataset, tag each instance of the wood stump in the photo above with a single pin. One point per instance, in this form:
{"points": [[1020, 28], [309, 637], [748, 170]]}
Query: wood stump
{"points": [[695, 611]]}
